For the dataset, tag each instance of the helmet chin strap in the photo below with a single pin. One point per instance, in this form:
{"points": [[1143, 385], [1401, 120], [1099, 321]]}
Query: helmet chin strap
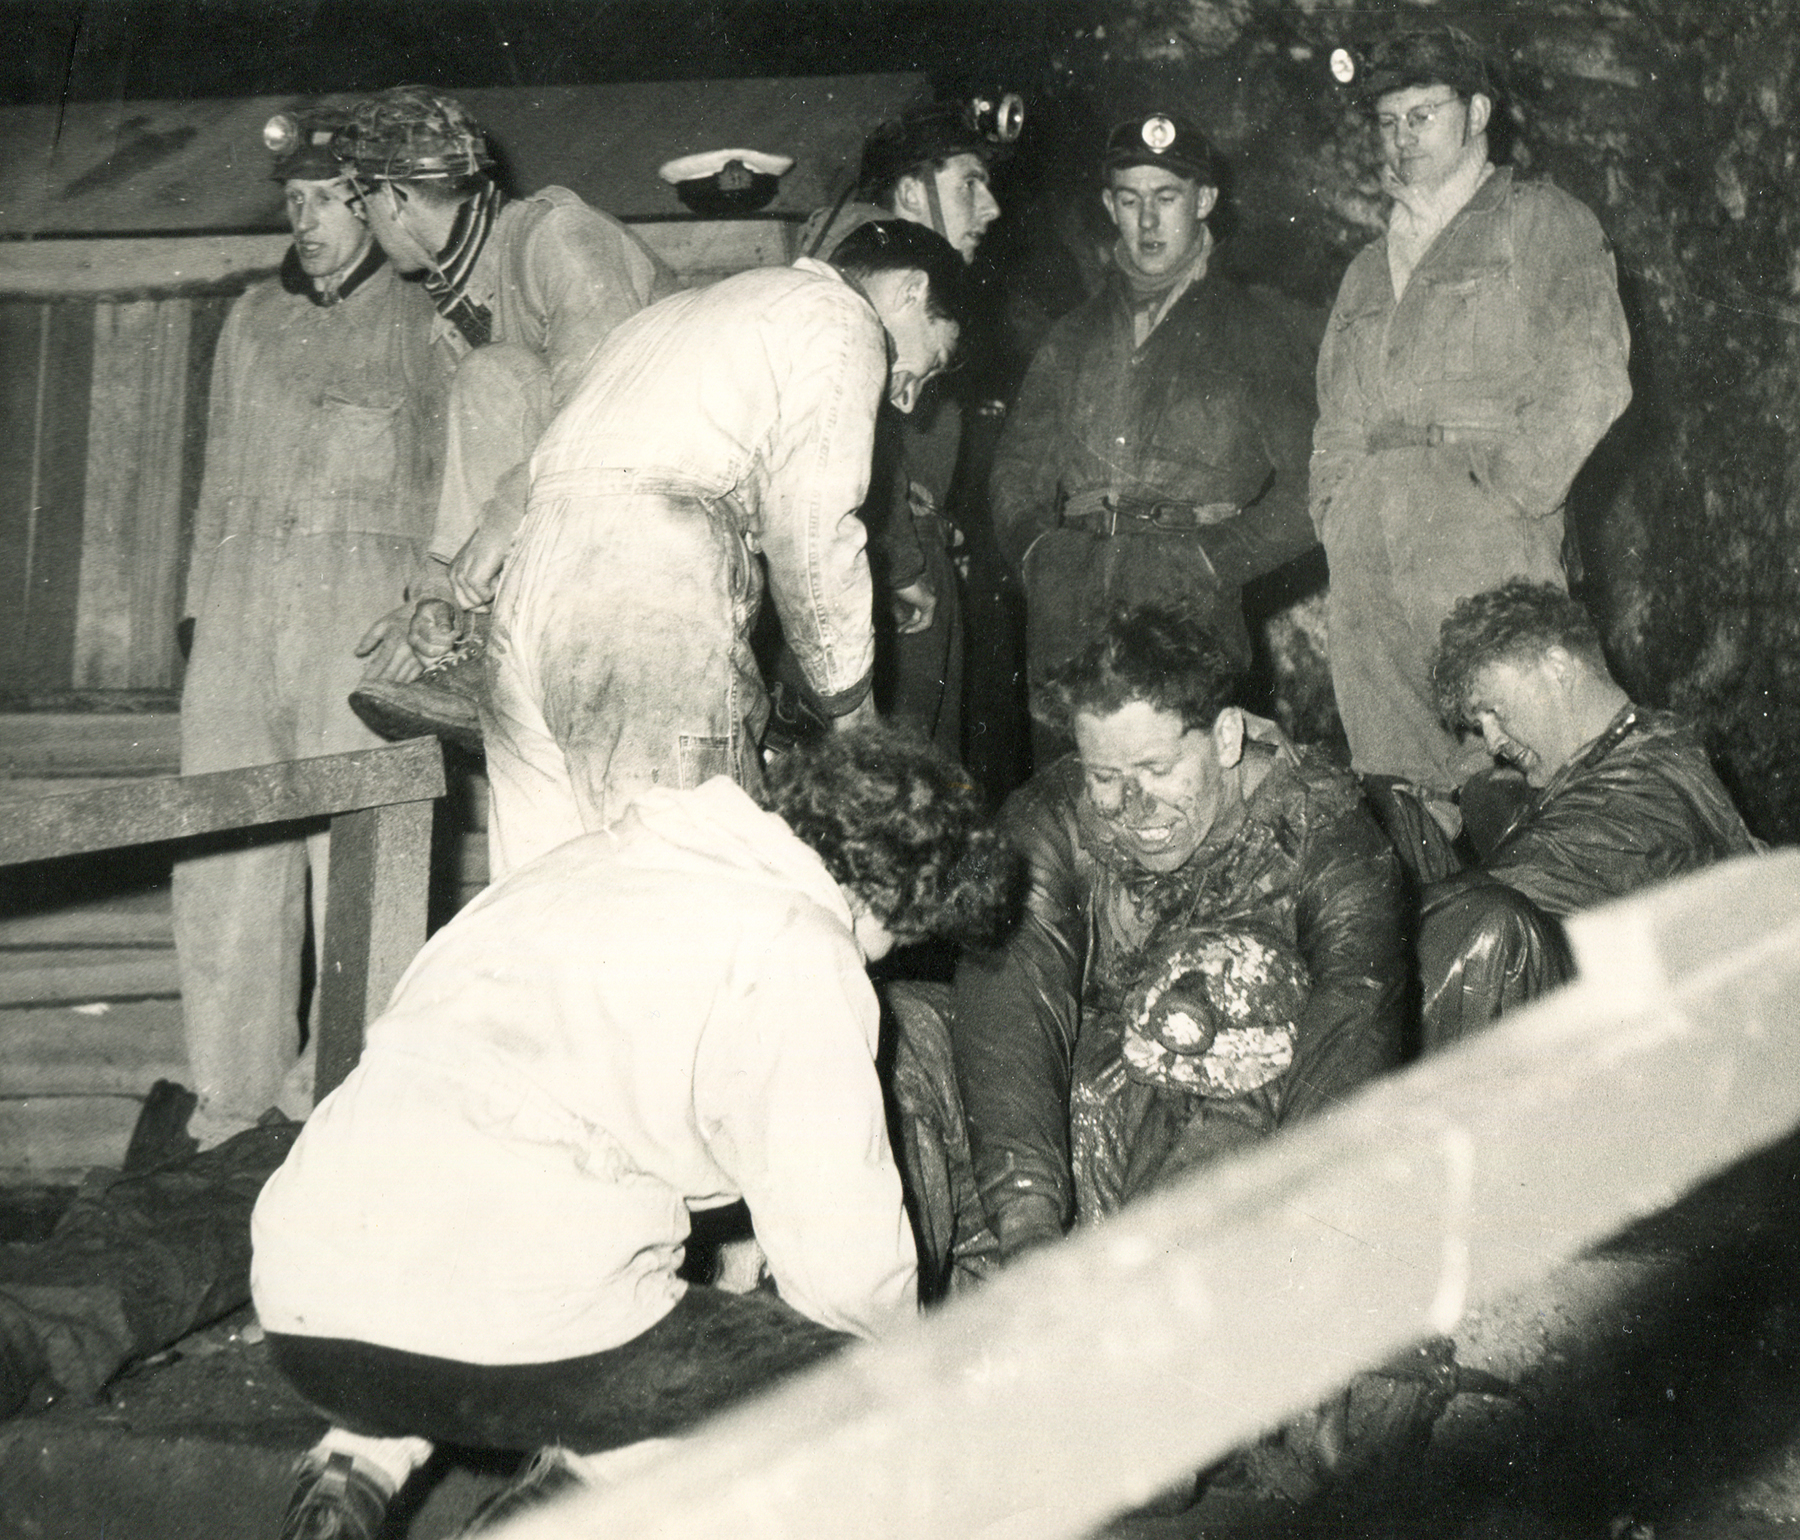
{"points": [[932, 203]]}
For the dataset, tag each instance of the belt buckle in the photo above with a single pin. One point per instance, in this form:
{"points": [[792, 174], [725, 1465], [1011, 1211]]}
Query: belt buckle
{"points": [[1163, 514]]}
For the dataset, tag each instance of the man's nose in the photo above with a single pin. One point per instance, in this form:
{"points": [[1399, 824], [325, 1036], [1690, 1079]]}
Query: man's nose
{"points": [[987, 206]]}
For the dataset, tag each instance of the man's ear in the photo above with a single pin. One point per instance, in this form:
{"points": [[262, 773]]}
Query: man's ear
{"points": [[909, 199], [1228, 737], [915, 287], [1561, 663], [1112, 209], [1207, 198], [1481, 108]]}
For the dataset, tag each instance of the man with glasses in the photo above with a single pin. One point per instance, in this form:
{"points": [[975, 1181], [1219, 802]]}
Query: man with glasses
{"points": [[1475, 356], [525, 290]]}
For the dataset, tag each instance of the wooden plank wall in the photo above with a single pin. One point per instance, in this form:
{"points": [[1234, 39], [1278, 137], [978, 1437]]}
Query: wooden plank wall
{"points": [[46, 356], [131, 546]]}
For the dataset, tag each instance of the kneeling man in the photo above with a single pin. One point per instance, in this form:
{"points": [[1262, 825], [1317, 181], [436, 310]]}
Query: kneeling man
{"points": [[476, 1238], [1621, 797]]}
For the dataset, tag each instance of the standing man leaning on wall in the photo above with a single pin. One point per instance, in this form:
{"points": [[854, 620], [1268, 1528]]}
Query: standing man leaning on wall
{"points": [[323, 456], [929, 166], [525, 290], [1158, 448], [1476, 354]]}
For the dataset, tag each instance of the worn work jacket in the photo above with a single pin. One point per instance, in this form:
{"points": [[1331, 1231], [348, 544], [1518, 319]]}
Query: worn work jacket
{"points": [[1452, 421], [1306, 861], [1214, 411], [1639, 805], [664, 1017], [324, 446]]}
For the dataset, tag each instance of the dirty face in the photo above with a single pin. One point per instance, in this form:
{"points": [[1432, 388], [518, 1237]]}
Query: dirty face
{"points": [[1526, 716], [1160, 215], [329, 233], [1425, 131], [1158, 787]]}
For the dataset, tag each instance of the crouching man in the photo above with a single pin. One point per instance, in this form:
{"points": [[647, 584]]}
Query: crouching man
{"points": [[476, 1238], [1620, 798]]}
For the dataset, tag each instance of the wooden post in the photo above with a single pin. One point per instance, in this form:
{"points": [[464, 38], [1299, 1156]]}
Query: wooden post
{"points": [[374, 923], [1096, 1372]]}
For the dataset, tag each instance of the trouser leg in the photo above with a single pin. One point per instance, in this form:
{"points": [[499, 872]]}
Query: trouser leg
{"points": [[240, 920], [931, 1140], [711, 1351], [498, 408], [1485, 951]]}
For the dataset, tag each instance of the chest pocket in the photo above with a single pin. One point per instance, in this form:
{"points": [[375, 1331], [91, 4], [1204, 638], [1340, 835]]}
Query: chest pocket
{"points": [[356, 470], [1471, 315]]}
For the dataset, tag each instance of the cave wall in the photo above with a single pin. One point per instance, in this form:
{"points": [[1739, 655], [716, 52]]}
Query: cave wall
{"points": [[1676, 122]]}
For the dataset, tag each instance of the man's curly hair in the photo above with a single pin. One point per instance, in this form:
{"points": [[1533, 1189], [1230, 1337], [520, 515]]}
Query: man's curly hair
{"points": [[1515, 623], [903, 830], [1156, 653]]}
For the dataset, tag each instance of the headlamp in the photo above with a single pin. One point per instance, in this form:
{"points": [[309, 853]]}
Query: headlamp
{"points": [[998, 119], [281, 135]]}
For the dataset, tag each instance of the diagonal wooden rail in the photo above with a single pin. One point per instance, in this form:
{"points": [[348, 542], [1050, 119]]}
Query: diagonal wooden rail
{"points": [[379, 803], [1098, 1371]]}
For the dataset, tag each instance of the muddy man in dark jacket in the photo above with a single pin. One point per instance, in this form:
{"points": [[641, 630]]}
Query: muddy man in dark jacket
{"points": [[1158, 449], [1212, 943], [1620, 798]]}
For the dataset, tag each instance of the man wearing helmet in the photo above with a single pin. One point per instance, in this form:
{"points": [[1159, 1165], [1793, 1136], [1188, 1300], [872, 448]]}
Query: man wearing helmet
{"points": [[323, 456], [929, 166], [525, 290], [1475, 355], [1157, 450], [722, 424]]}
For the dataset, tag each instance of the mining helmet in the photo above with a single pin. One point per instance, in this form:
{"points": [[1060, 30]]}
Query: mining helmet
{"points": [[411, 134], [1436, 56], [981, 125], [301, 143], [1161, 139]]}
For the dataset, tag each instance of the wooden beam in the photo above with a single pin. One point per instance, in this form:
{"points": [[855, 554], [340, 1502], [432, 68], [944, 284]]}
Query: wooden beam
{"points": [[135, 267], [374, 922], [177, 807], [1096, 1372]]}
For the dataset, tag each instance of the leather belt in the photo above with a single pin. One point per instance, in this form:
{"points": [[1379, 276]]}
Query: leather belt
{"points": [[1107, 518]]}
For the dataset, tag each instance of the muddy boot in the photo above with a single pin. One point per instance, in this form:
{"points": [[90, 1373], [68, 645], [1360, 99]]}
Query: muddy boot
{"points": [[445, 699]]}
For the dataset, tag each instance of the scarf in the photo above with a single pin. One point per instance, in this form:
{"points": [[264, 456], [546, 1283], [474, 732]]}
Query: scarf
{"points": [[447, 284], [1420, 213], [1149, 295]]}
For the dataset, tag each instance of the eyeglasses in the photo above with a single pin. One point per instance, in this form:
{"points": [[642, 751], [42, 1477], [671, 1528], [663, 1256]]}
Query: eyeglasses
{"points": [[1418, 119]]}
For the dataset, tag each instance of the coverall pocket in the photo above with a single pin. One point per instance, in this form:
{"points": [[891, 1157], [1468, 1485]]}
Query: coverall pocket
{"points": [[702, 758], [356, 482], [1473, 312]]}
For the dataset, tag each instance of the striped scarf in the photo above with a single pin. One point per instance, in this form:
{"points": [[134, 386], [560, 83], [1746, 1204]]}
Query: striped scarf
{"points": [[446, 285]]}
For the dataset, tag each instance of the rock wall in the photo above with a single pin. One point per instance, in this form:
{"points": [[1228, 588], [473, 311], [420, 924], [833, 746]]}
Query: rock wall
{"points": [[1675, 121]]}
